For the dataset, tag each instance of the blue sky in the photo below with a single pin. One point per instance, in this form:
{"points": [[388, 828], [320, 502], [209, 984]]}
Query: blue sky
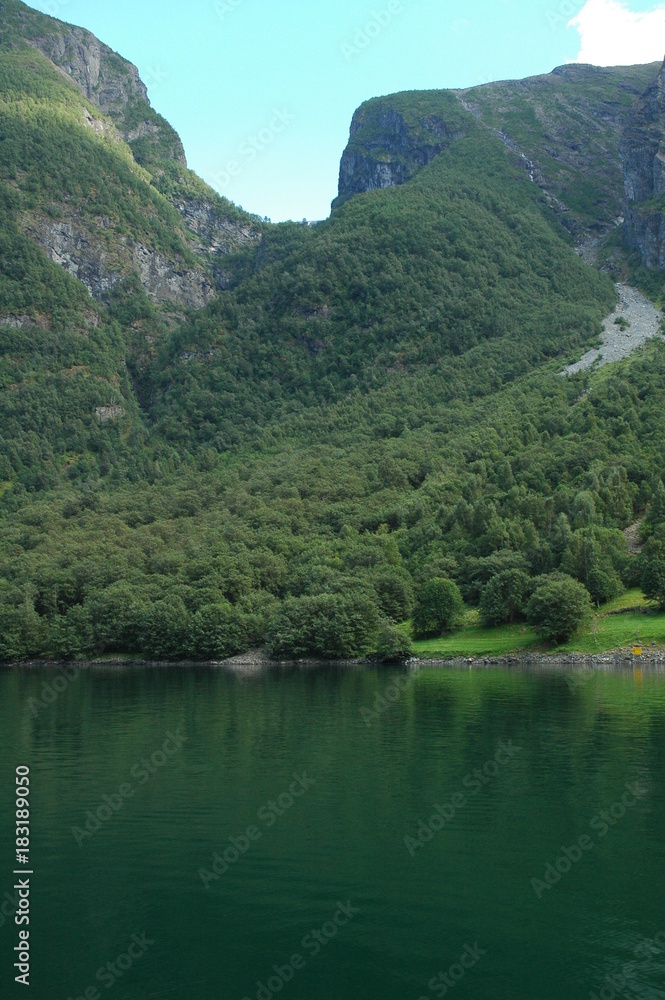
{"points": [[262, 91]]}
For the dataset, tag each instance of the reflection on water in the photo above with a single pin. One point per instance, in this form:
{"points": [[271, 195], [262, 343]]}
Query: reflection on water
{"points": [[338, 833]]}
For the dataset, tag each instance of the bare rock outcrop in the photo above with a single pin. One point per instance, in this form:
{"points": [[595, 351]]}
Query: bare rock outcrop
{"points": [[100, 258], [385, 150], [643, 152], [108, 81]]}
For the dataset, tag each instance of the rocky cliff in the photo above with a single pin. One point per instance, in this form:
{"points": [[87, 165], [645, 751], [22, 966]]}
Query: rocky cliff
{"points": [[107, 80], [564, 128], [387, 145], [214, 236], [179, 257], [643, 151], [101, 259]]}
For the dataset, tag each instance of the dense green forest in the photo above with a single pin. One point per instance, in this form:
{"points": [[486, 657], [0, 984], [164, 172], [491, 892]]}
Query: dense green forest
{"points": [[369, 414]]}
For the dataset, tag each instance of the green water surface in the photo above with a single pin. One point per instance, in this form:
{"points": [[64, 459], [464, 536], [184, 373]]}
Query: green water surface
{"points": [[338, 884]]}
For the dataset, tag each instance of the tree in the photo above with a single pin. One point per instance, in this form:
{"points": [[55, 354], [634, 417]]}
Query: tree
{"points": [[438, 607], [70, 636], [653, 580], [504, 596], [118, 612], [558, 606], [652, 567], [21, 632], [393, 645], [395, 595], [603, 584], [656, 510], [217, 631], [324, 625], [163, 630]]}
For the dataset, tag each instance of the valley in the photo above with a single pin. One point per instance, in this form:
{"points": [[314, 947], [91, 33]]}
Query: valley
{"points": [[220, 434]]}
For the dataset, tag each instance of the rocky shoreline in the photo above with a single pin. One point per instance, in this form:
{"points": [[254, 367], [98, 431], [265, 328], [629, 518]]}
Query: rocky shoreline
{"points": [[598, 661], [256, 659]]}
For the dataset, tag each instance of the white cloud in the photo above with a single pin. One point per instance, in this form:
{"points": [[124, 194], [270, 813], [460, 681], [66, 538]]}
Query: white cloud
{"points": [[613, 35]]}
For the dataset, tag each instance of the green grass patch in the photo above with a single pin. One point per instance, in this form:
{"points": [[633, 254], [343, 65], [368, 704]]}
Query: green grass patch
{"points": [[605, 632], [618, 632], [474, 639], [633, 598]]}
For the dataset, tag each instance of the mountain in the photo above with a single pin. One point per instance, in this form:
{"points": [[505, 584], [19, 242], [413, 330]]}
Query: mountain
{"points": [[131, 206], [643, 151], [564, 129], [217, 432]]}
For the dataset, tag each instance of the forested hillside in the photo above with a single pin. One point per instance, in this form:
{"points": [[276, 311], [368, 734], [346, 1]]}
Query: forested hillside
{"points": [[218, 433]]}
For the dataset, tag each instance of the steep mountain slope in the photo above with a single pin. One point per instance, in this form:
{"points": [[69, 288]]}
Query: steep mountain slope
{"points": [[131, 205], [465, 257], [643, 149], [565, 129], [216, 432]]}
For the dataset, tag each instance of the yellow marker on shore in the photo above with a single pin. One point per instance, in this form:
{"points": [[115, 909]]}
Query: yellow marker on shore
{"points": [[637, 650]]}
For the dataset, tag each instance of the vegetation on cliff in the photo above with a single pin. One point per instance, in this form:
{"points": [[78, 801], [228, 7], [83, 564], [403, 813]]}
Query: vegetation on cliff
{"points": [[372, 403]]}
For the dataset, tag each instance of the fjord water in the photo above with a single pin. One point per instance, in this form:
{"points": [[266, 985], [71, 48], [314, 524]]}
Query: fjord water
{"points": [[367, 755]]}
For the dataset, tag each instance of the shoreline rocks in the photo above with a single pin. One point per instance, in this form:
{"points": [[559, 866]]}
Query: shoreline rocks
{"points": [[256, 659]]}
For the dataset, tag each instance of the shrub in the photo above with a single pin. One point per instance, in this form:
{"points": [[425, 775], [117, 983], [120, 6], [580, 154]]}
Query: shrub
{"points": [[558, 606], [324, 625], [393, 645]]}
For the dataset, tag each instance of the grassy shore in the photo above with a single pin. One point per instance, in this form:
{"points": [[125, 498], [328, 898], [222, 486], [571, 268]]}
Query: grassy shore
{"points": [[620, 624]]}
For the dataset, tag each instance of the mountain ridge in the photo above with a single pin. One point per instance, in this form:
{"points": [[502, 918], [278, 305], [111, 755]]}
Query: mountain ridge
{"points": [[98, 248], [384, 149], [643, 149]]}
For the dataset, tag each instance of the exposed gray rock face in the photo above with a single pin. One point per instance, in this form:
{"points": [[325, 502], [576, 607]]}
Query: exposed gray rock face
{"points": [[166, 282], [100, 263], [107, 80], [563, 127], [73, 248], [99, 251], [396, 153], [215, 236], [100, 126], [109, 412], [16, 322], [643, 152]]}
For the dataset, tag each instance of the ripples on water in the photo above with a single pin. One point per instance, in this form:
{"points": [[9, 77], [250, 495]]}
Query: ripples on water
{"points": [[378, 775]]}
